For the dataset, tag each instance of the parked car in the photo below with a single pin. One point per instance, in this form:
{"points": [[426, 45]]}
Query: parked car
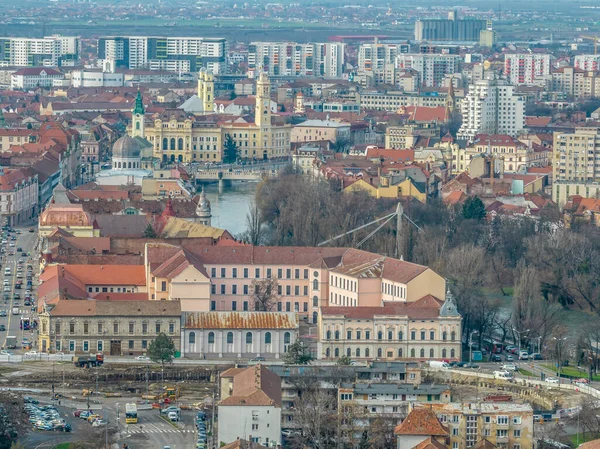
{"points": [[552, 380], [510, 358], [536, 356], [173, 416], [142, 358], [509, 367], [495, 358], [523, 355], [98, 423], [2, 328], [258, 359]]}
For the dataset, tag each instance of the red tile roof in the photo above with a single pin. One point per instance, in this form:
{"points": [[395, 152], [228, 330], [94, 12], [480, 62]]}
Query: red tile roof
{"points": [[255, 386], [537, 121], [421, 421], [427, 307]]}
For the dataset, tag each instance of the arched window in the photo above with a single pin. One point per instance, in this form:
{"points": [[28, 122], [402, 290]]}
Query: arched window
{"points": [[452, 336], [315, 317], [180, 158], [327, 352], [315, 284], [452, 353], [268, 338], [348, 352], [137, 125], [400, 335], [315, 301], [172, 144], [444, 335], [444, 353], [229, 338], [129, 165], [422, 353], [379, 352], [165, 145], [357, 352], [431, 353], [328, 335], [412, 353], [390, 335], [287, 338], [248, 338], [180, 144], [379, 335], [211, 338], [337, 335], [367, 352], [336, 352], [400, 352], [192, 338]]}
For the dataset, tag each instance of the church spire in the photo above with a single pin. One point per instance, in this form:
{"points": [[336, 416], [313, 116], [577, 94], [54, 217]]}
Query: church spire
{"points": [[139, 104]]}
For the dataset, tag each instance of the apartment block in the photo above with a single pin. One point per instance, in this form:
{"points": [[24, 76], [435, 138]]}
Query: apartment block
{"points": [[527, 68], [379, 59], [432, 68], [576, 164], [507, 151], [173, 54], [587, 62], [491, 107], [393, 100], [295, 59], [51, 51], [406, 136], [576, 83]]}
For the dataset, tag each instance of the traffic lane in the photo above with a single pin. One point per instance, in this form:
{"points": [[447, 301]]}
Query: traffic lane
{"points": [[152, 427]]}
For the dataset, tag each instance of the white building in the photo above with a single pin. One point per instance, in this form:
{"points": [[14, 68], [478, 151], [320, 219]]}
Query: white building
{"points": [[295, 59], [96, 78], [51, 51], [587, 62], [491, 107], [250, 406], [432, 68], [34, 77], [380, 60], [18, 195], [232, 335], [527, 68]]}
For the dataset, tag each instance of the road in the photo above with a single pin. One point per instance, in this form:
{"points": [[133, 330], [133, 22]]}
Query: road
{"points": [[27, 242]]}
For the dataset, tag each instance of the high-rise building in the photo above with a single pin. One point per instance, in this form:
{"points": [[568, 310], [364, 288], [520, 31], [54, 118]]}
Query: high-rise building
{"points": [[294, 59], [527, 68], [50, 51], [450, 29], [587, 62], [379, 59], [432, 68], [491, 107], [174, 54]]}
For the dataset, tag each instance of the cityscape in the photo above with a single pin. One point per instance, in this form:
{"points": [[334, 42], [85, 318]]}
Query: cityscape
{"points": [[300, 225]]}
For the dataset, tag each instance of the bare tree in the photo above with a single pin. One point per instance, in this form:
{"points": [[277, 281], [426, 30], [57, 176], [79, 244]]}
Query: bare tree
{"points": [[13, 419], [254, 222], [316, 416], [587, 419], [264, 294]]}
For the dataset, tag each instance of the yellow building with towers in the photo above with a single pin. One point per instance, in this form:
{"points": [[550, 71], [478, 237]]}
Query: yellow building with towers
{"points": [[194, 133]]}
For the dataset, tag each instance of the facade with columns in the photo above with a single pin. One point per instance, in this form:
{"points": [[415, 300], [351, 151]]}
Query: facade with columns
{"points": [[180, 136]]}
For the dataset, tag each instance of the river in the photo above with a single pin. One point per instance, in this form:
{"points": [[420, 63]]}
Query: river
{"points": [[230, 204]]}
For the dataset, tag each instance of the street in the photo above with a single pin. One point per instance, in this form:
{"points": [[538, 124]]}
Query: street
{"points": [[27, 242]]}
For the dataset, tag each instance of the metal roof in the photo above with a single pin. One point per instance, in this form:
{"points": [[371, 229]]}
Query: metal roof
{"points": [[240, 320]]}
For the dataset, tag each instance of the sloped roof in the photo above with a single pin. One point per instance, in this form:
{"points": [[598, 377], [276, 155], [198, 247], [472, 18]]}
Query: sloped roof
{"points": [[421, 421], [255, 386], [240, 320], [431, 443], [428, 307]]}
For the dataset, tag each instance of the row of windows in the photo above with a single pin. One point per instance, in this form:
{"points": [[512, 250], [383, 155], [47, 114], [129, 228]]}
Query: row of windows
{"points": [[346, 284], [388, 353], [258, 307], [100, 328], [287, 337], [390, 335], [269, 273], [246, 289], [87, 347]]}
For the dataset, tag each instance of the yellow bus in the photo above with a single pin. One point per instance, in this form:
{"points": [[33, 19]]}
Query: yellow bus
{"points": [[131, 413]]}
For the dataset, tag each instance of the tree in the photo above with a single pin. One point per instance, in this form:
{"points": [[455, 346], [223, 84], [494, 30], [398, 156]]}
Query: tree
{"points": [[13, 419], [473, 208], [253, 233], [161, 349], [230, 150], [264, 294], [344, 360], [316, 417], [297, 354], [149, 232]]}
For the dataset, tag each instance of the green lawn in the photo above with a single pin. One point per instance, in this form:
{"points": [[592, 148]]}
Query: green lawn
{"points": [[571, 371], [524, 372], [582, 438], [62, 446]]}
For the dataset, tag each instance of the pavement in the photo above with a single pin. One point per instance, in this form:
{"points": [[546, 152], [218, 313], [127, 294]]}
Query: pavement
{"points": [[27, 241]]}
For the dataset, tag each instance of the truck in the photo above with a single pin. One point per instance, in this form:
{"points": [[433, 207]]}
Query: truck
{"points": [[11, 342], [438, 364], [15, 310], [88, 360]]}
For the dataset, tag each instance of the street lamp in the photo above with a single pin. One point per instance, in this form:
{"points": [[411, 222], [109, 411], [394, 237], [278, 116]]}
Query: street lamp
{"points": [[539, 339], [519, 334], [559, 342], [471, 345]]}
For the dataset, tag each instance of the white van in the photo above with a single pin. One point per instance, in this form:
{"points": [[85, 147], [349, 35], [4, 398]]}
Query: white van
{"points": [[438, 364], [7, 271], [506, 375]]}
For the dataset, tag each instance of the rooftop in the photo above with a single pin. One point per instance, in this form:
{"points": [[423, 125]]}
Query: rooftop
{"points": [[240, 320]]}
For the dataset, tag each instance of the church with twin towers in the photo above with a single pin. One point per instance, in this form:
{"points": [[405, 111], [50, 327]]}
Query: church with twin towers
{"points": [[195, 131]]}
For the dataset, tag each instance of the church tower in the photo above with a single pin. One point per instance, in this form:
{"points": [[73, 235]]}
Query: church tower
{"points": [[262, 112], [203, 211], [137, 117], [206, 89], [450, 100]]}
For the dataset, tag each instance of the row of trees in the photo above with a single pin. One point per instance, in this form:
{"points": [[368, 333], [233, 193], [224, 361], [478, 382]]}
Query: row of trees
{"points": [[545, 267]]}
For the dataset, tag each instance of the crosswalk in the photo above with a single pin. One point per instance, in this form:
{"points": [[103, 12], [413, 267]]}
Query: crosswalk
{"points": [[154, 428]]}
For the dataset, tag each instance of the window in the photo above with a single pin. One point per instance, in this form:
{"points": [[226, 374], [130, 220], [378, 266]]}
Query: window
{"points": [[57, 328], [171, 328], [315, 301], [379, 335], [245, 306], [234, 272], [413, 335], [245, 289], [452, 336], [337, 335], [268, 273], [422, 352], [131, 327], [517, 433], [367, 352], [431, 353], [158, 327], [222, 289], [358, 335], [130, 344], [254, 426], [279, 273], [213, 272], [431, 335], [390, 335], [502, 420], [71, 328], [234, 289], [287, 337], [454, 432], [315, 284], [192, 338], [163, 286], [144, 344], [268, 338], [306, 273], [248, 338], [367, 335], [297, 273], [328, 333], [86, 325], [100, 346], [516, 446], [211, 338], [452, 353], [336, 352], [412, 353], [145, 327], [213, 305], [379, 352], [115, 328], [348, 335], [288, 273], [213, 289], [229, 338], [400, 352], [245, 272], [516, 420], [223, 272], [422, 335], [455, 445], [501, 433], [257, 273]]}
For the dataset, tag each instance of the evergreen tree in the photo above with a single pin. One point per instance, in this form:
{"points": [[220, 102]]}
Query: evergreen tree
{"points": [[473, 209], [297, 354], [149, 232], [230, 150]]}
